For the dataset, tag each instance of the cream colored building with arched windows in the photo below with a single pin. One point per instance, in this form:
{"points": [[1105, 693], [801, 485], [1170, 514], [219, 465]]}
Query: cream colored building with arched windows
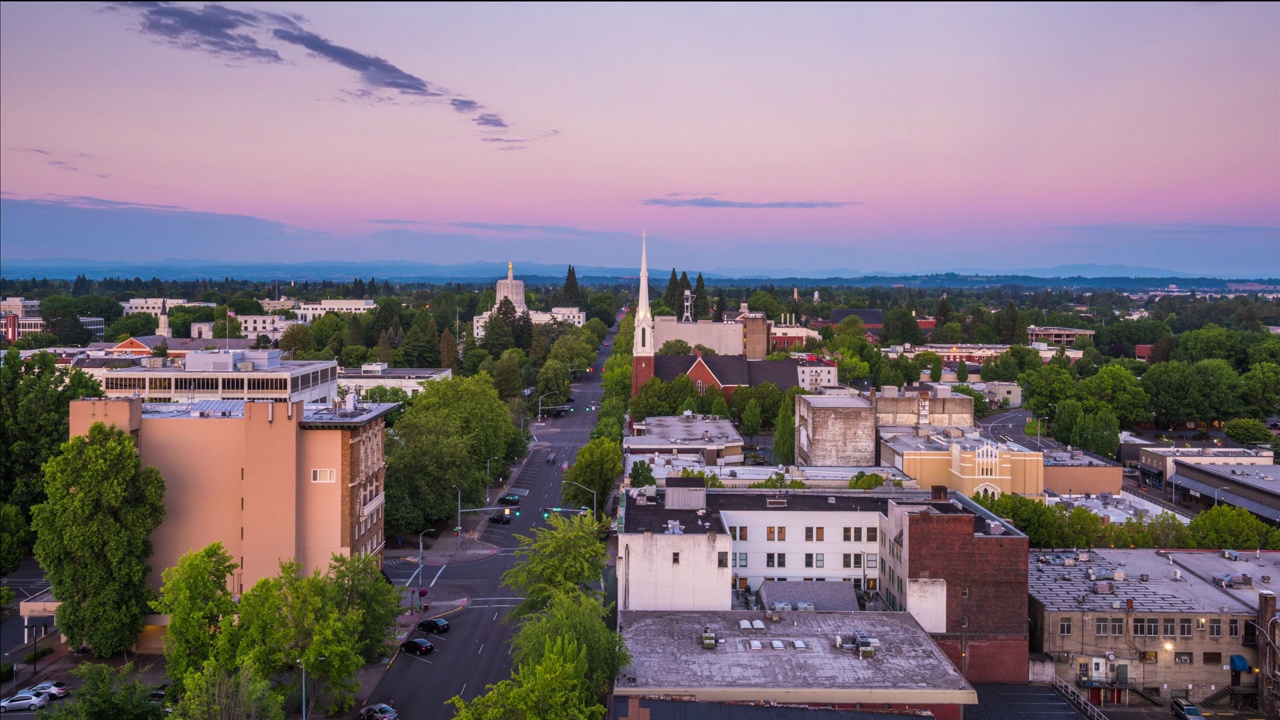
{"points": [[969, 464]]}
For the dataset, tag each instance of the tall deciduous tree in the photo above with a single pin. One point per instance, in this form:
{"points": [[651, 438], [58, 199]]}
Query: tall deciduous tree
{"points": [[548, 690], [218, 692], [597, 466], [35, 407], [107, 692], [93, 537], [196, 599], [751, 419], [448, 351], [567, 555], [579, 616], [784, 436], [357, 587]]}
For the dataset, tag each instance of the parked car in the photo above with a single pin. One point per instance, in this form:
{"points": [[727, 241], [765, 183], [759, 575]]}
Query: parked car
{"points": [[54, 689], [160, 691], [381, 711], [24, 701], [417, 646], [500, 519], [434, 625], [511, 499], [1184, 710]]}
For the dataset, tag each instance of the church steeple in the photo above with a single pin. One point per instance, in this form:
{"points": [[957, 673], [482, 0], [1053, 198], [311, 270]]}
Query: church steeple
{"points": [[642, 351]]}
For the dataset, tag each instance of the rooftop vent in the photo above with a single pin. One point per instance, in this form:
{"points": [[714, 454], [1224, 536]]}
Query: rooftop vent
{"points": [[831, 501], [757, 624], [778, 645], [744, 624], [755, 645], [800, 645], [775, 502]]}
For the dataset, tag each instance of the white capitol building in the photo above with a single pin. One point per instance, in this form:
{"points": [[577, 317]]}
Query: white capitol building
{"points": [[513, 290]]}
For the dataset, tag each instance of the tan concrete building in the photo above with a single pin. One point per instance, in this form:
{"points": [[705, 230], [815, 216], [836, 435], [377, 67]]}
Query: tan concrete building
{"points": [[1156, 464], [1056, 335], [834, 430], [922, 408], [1073, 472], [245, 375], [968, 465], [725, 338], [270, 481]]}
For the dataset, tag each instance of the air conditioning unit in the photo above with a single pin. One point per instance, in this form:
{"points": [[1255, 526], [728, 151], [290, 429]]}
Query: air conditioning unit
{"points": [[1182, 659]]}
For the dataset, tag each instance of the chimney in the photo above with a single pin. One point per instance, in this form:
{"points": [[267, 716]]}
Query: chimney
{"points": [[938, 492], [697, 352], [1266, 607], [1128, 605]]}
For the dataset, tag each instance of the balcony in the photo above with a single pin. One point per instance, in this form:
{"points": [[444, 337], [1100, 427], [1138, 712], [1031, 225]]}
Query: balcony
{"points": [[368, 508]]}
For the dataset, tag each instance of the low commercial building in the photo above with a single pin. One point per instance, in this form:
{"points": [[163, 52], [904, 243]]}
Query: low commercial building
{"points": [[881, 660], [371, 375], [790, 336], [1075, 472], [1003, 394], [1181, 624], [251, 326], [169, 347], [1056, 335], [1255, 488], [922, 408], [1156, 463], [969, 464], [16, 327], [975, 353], [724, 338], [154, 306], [709, 438], [240, 375]]}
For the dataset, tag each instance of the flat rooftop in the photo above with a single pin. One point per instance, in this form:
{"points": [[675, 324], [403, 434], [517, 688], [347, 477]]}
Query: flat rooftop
{"points": [[391, 373], [1169, 587], [1195, 452], [1261, 477], [1074, 458], [687, 429], [286, 367], [312, 414], [794, 658], [836, 401], [940, 443]]}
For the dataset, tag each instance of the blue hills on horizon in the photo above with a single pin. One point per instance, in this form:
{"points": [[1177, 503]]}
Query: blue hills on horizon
{"points": [[174, 269]]}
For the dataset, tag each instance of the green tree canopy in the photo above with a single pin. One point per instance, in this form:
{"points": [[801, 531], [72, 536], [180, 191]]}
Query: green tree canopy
{"points": [[565, 556], [751, 419], [1247, 431], [597, 466], [581, 617], [1115, 386], [196, 598], [784, 436], [93, 537], [641, 474], [549, 690], [108, 692], [675, 346]]}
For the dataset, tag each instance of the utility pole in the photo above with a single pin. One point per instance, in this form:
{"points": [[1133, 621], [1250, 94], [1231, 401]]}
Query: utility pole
{"points": [[458, 528]]}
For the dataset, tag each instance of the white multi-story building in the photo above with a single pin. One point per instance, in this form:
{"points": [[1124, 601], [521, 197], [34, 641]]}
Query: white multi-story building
{"points": [[371, 375], [21, 307], [154, 306], [251, 326], [234, 375], [310, 312]]}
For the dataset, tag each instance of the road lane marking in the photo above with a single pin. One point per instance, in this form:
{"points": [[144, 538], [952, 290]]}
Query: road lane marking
{"points": [[464, 689], [495, 615], [481, 650], [437, 577]]}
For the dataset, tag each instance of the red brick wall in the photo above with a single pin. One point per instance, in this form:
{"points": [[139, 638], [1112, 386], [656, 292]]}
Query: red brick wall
{"points": [[699, 371], [641, 371], [987, 625]]}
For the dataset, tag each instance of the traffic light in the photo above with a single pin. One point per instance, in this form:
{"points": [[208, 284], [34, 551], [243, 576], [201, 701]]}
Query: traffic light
{"points": [[517, 512], [546, 513], [457, 531], [591, 370]]}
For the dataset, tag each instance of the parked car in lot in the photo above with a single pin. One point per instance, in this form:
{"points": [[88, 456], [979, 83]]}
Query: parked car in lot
{"points": [[54, 689], [417, 646], [511, 499], [1184, 710], [381, 711], [434, 625], [500, 519], [160, 691], [24, 701]]}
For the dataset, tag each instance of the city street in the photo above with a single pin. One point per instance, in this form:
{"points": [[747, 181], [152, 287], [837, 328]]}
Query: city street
{"points": [[1008, 426], [467, 585]]}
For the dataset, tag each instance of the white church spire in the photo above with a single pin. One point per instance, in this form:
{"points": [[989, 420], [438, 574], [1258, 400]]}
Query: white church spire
{"points": [[642, 344]]}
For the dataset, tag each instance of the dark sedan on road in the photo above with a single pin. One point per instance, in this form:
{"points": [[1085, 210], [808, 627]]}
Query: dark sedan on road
{"points": [[434, 625], [511, 499], [417, 646], [500, 519]]}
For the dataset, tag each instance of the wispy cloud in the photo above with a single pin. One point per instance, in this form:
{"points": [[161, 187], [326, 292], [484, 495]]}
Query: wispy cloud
{"points": [[373, 70], [489, 120], [215, 29], [396, 222], [559, 231], [62, 165], [85, 201], [36, 151], [249, 34], [710, 202]]}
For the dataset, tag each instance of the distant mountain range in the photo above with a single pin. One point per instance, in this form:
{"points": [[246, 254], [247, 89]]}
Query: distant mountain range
{"points": [[1082, 275]]}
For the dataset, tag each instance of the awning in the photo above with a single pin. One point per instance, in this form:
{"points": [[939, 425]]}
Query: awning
{"points": [[1239, 664], [1227, 497]]}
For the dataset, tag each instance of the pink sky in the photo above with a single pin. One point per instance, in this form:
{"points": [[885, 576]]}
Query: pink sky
{"points": [[1034, 134]]}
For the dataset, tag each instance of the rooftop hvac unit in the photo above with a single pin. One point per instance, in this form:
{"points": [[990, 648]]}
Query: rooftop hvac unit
{"points": [[1103, 587], [804, 606], [1120, 575], [1115, 604], [1144, 577], [779, 606]]}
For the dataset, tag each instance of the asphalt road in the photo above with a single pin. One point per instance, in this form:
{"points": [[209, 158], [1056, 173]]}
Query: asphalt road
{"points": [[1008, 426], [475, 652]]}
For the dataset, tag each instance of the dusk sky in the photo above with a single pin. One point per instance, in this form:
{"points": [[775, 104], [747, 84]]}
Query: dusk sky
{"points": [[897, 137]]}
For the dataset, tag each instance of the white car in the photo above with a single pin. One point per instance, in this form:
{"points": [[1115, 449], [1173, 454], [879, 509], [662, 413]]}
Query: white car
{"points": [[53, 688], [24, 701]]}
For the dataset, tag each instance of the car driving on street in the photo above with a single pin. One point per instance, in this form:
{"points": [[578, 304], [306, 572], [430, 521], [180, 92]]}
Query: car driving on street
{"points": [[511, 499], [417, 646], [434, 625]]}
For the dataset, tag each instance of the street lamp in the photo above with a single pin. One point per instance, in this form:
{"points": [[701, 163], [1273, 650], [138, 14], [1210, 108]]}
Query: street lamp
{"points": [[486, 470], [458, 531], [593, 496], [1215, 494], [421, 569], [540, 404], [1038, 426], [304, 687]]}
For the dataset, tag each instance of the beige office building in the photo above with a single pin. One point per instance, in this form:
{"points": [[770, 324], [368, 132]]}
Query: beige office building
{"points": [[270, 481], [968, 465]]}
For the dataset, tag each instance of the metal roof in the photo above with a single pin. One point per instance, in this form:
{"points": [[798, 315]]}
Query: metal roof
{"points": [[1221, 495]]}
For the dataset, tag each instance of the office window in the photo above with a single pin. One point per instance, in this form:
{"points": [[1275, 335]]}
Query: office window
{"points": [[324, 476], [778, 534], [723, 559], [848, 534], [848, 560], [738, 533], [857, 534], [1117, 627], [1213, 658], [770, 560], [782, 560], [1184, 627], [1101, 627], [1215, 628], [857, 560], [675, 558], [742, 559], [814, 534], [808, 560], [1064, 626], [1139, 627], [1168, 627], [1153, 627], [872, 561], [871, 534], [1200, 624], [819, 560], [1235, 627]]}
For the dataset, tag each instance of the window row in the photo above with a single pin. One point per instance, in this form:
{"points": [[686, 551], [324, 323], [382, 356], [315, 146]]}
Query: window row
{"points": [[851, 561], [776, 533], [1156, 627]]}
